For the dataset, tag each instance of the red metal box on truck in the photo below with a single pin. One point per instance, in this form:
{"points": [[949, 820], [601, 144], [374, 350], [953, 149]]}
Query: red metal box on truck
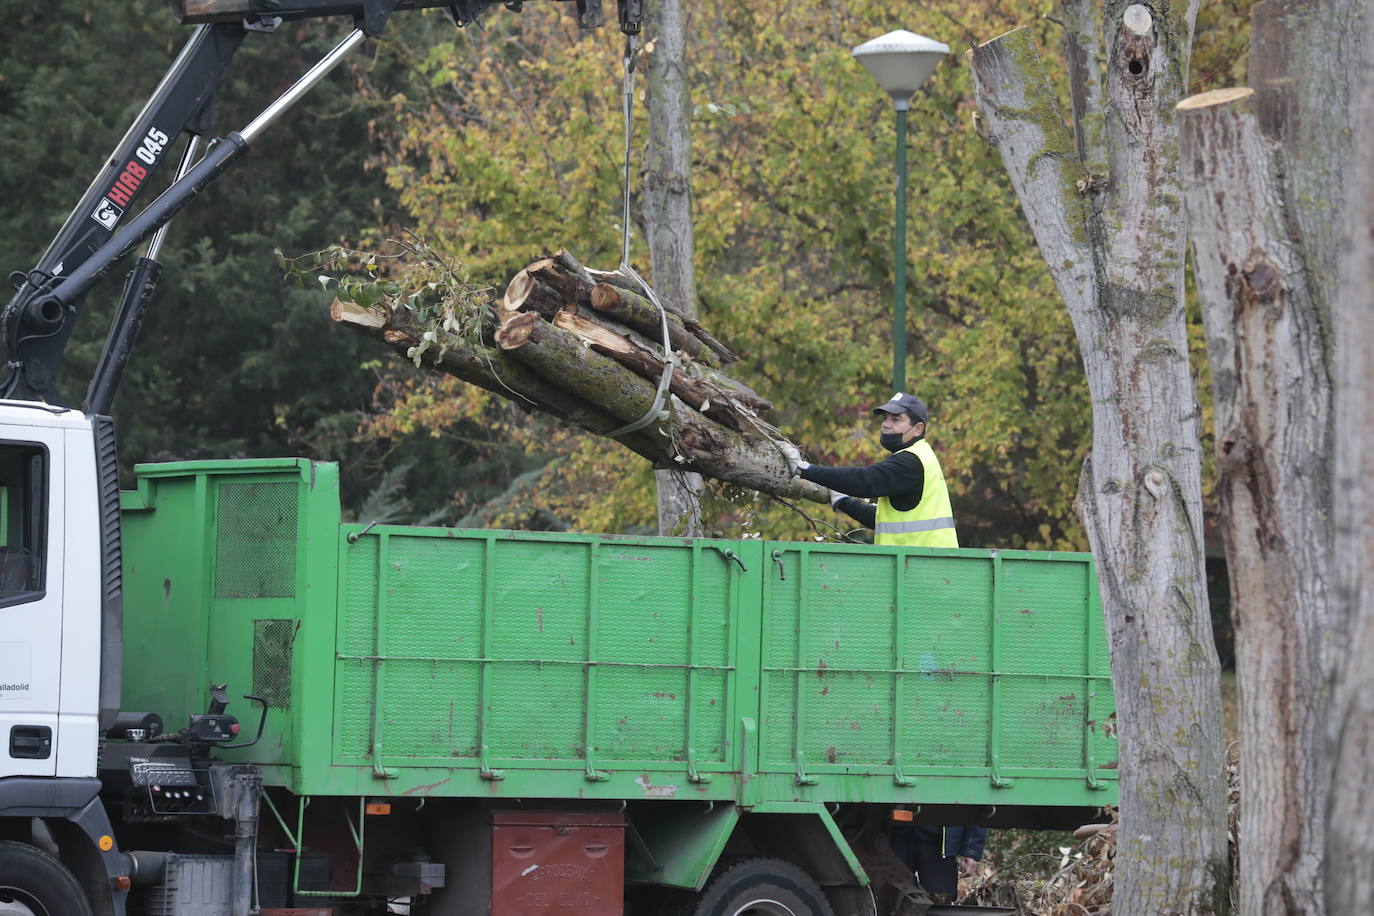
{"points": [[562, 862]]}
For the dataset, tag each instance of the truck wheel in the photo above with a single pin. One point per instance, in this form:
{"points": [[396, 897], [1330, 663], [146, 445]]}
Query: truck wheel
{"points": [[763, 887], [33, 883]]}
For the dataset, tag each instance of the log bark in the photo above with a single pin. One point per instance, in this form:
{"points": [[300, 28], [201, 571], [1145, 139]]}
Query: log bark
{"points": [[702, 445], [689, 321], [493, 370], [1350, 822], [571, 285], [565, 259], [1271, 385], [620, 281], [722, 352], [730, 389], [738, 390], [549, 283], [1113, 242], [700, 395], [1304, 55], [634, 310]]}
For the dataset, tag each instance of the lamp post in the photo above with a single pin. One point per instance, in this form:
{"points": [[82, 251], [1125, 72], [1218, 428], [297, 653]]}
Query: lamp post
{"points": [[900, 61]]}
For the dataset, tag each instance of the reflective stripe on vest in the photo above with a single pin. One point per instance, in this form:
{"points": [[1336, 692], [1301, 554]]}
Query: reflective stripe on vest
{"points": [[931, 522]]}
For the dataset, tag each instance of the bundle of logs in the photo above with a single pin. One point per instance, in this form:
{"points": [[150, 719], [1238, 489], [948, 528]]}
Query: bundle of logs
{"points": [[585, 346]]}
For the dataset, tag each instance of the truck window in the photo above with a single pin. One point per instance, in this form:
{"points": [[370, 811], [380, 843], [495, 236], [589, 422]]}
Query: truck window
{"points": [[23, 522]]}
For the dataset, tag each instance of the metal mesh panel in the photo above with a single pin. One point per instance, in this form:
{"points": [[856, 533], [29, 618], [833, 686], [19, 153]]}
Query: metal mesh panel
{"points": [[272, 641], [255, 545]]}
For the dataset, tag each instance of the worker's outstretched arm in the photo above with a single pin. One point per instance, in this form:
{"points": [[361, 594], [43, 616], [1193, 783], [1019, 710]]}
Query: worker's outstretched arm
{"points": [[898, 475]]}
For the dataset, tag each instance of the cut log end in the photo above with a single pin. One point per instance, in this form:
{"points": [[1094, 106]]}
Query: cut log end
{"points": [[1137, 19], [1020, 32], [1213, 98], [605, 297], [516, 330], [353, 313], [518, 291]]}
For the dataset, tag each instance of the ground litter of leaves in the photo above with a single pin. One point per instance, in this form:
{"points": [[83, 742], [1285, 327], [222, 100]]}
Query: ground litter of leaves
{"points": [[1075, 874]]}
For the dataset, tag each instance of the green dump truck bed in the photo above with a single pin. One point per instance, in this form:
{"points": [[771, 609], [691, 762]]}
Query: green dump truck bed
{"points": [[445, 662]]}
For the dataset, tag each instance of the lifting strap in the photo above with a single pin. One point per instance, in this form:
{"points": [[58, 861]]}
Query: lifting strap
{"points": [[625, 270]]}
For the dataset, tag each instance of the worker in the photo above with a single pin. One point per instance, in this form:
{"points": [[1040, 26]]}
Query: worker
{"points": [[913, 502], [940, 856]]}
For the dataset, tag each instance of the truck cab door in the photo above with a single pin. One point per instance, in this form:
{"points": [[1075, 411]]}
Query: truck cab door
{"points": [[31, 564]]}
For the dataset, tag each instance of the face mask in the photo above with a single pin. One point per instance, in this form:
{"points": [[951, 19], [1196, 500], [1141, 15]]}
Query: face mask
{"points": [[892, 441]]}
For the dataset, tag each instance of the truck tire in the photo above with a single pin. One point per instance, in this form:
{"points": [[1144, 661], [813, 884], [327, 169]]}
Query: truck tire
{"points": [[763, 887], [33, 882]]}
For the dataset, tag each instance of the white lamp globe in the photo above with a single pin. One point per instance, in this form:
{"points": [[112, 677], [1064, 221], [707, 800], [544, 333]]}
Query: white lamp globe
{"points": [[901, 61]]}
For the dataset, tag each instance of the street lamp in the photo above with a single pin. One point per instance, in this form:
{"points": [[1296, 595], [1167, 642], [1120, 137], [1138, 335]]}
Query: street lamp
{"points": [[900, 61]]}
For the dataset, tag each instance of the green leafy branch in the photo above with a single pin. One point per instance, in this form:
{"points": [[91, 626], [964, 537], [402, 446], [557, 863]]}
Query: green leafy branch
{"points": [[434, 287]]}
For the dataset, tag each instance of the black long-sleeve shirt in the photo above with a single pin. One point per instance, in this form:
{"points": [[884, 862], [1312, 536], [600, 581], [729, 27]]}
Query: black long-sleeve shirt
{"points": [[900, 477]]}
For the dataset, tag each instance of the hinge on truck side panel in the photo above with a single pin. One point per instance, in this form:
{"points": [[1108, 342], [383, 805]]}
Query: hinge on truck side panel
{"points": [[693, 774], [804, 778], [379, 771], [898, 777], [485, 767], [593, 774]]}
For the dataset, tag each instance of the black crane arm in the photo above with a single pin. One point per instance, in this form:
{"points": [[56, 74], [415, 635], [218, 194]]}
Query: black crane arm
{"points": [[39, 319], [37, 329]]}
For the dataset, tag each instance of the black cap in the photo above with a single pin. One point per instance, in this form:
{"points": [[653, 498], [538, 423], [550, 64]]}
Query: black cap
{"points": [[904, 403]]}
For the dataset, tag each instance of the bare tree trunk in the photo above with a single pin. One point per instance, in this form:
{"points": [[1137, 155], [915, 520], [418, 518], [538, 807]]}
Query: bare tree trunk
{"points": [[1266, 343], [1266, 180], [1104, 206], [1303, 54], [668, 218], [1350, 816]]}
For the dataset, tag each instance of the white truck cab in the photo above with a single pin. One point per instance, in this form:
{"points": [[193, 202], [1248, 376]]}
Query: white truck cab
{"points": [[52, 571]]}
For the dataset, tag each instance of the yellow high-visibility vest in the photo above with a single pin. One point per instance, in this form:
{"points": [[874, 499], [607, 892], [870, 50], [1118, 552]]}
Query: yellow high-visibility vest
{"points": [[931, 523]]}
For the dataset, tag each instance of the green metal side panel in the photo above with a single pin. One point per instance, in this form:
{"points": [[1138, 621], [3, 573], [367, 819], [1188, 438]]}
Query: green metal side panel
{"points": [[906, 667], [592, 659], [164, 537], [513, 664], [229, 572]]}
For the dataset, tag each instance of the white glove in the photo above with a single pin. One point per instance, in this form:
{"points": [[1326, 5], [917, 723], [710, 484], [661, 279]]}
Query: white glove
{"points": [[795, 464], [836, 496]]}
